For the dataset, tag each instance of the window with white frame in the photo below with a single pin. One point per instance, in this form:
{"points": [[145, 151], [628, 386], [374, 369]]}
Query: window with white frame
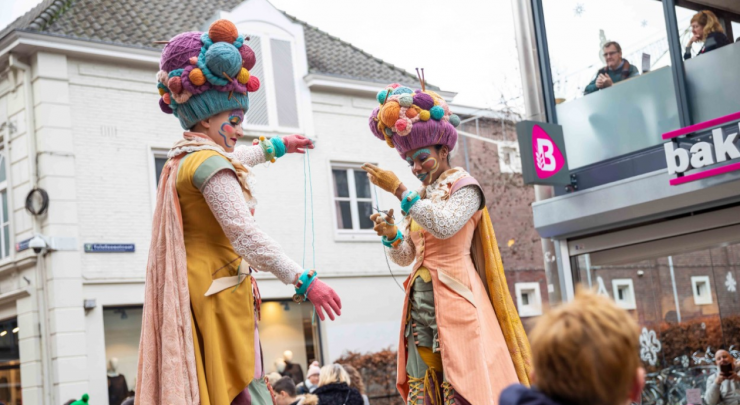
{"points": [[274, 106], [509, 159], [624, 293], [702, 290], [5, 212], [528, 299], [353, 202]]}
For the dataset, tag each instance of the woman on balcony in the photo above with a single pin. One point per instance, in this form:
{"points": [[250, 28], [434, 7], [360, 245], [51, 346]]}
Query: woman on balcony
{"points": [[706, 28]]}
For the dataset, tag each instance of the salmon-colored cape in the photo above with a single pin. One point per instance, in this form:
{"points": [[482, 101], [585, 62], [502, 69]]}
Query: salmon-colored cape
{"points": [[487, 261], [167, 372]]}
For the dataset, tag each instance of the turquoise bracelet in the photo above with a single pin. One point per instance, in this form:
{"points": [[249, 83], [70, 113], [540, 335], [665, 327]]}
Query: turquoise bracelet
{"points": [[279, 145], [393, 242], [305, 280], [268, 149], [408, 200]]}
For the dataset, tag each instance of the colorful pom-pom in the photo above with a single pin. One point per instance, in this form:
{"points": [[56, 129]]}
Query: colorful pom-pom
{"points": [[253, 84], [424, 101], [166, 98], [454, 120], [394, 85], [383, 95], [411, 113], [249, 59], [196, 77], [161, 91], [175, 84], [400, 125], [223, 31], [437, 113], [164, 107], [424, 115], [388, 131], [403, 90], [223, 58], [194, 60], [243, 77], [406, 100], [389, 114]]}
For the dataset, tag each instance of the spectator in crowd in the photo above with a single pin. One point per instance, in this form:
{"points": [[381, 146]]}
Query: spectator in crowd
{"points": [[616, 69], [285, 394], [585, 352], [334, 387], [273, 377], [723, 387], [356, 381], [312, 380], [706, 28]]}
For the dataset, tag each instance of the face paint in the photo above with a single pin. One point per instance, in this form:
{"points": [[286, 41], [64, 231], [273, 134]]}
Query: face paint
{"points": [[431, 164], [420, 151], [227, 131]]}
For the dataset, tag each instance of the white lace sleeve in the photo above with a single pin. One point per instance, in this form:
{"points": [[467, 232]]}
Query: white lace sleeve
{"points": [[249, 156], [445, 218], [224, 196], [404, 254]]}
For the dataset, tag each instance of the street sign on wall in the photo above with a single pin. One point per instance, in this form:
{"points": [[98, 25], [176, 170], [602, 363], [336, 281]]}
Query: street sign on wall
{"points": [[542, 150]]}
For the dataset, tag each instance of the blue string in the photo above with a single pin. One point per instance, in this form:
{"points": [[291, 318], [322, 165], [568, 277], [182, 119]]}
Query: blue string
{"points": [[385, 253], [313, 228]]}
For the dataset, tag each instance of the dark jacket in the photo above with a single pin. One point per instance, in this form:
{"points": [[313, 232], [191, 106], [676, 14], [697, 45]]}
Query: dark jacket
{"points": [[520, 395], [338, 394], [714, 40], [624, 72]]}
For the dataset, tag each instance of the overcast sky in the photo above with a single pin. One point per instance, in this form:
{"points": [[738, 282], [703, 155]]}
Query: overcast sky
{"points": [[466, 46]]}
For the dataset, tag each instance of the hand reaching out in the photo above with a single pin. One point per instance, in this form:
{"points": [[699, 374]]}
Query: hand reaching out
{"points": [[385, 227], [297, 144], [385, 179]]}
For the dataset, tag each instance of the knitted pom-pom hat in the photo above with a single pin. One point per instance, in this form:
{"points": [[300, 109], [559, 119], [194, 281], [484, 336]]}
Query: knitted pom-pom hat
{"points": [[203, 74], [410, 119]]}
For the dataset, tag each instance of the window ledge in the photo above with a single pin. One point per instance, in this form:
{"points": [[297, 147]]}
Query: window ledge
{"points": [[356, 237], [17, 263]]}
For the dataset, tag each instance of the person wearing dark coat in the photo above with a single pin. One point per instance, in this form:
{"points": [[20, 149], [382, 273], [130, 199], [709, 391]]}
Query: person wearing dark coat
{"points": [[585, 352], [705, 27], [334, 387]]}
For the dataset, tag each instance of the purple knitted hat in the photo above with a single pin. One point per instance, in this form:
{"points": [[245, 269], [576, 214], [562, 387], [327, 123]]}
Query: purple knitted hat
{"points": [[204, 73], [408, 119]]}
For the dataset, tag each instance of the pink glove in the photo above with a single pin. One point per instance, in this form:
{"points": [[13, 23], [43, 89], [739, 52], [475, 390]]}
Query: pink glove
{"points": [[296, 143], [324, 298]]}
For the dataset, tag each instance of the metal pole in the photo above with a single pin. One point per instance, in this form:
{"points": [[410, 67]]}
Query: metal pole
{"points": [[677, 68], [675, 293], [534, 107]]}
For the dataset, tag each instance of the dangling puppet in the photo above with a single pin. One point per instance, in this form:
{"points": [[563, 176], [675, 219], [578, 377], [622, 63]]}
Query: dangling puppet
{"points": [[462, 341], [199, 338]]}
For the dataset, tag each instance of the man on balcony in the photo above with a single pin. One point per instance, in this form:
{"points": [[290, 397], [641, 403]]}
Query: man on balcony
{"points": [[616, 69]]}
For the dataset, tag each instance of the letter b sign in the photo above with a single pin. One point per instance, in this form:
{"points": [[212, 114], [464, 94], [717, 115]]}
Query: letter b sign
{"points": [[543, 153]]}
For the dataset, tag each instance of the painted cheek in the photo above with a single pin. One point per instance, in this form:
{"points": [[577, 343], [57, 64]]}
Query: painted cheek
{"points": [[227, 128], [429, 164]]}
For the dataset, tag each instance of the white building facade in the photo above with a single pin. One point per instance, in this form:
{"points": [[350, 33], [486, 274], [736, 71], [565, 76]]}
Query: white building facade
{"points": [[79, 119]]}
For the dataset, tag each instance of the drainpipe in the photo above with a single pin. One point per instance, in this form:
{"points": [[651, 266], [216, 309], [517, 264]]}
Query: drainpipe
{"points": [[42, 297]]}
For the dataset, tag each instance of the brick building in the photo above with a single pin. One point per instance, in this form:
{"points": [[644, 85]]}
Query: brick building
{"points": [[79, 119]]}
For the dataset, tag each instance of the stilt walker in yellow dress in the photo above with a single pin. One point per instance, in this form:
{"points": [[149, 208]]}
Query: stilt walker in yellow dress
{"points": [[461, 341], [199, 340]]}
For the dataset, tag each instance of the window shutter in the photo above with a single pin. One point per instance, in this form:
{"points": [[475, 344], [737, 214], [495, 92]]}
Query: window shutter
{"points": [[257, 114], [285, 91]]}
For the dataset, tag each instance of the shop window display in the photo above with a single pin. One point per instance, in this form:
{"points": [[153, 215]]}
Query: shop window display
{"points": [[10, 374], [289, 335], [686, 304]]}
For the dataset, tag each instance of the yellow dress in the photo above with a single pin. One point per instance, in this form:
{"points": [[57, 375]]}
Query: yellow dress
{"points": [[223, 324]]}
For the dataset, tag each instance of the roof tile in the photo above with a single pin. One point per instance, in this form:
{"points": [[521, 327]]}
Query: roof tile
{"points": [[138, 23]]}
